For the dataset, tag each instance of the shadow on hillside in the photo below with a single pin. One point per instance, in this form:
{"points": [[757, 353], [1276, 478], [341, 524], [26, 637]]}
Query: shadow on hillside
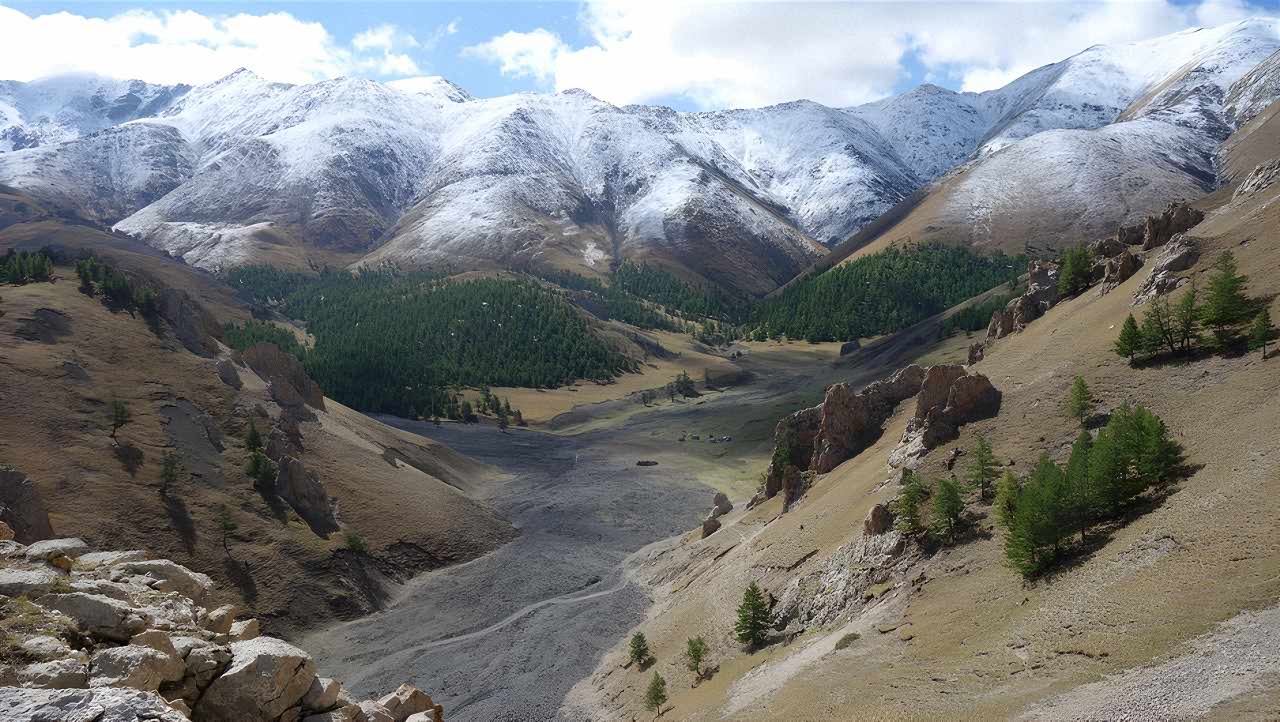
{"points": [[129, 456], [238, 573], [181, 519]]}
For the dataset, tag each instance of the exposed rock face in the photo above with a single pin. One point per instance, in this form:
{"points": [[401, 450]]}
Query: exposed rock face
{"points": [[841, 583], [306, 495], [1040, 296], [721, 504], [1259, 178], [1118, 270], [849, 347], [795, 433], [290, 385], [977, 351], [949, 397], [1176, 218], [156, 653], [194, 326], [22, 508], [1178, 255], [227, 372], [878, 521], [709, 527]]}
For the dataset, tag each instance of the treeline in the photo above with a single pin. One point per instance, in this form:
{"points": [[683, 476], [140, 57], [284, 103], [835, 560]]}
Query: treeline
{"points": [[1170, 329], [881, 293], [1103, 476], [402, 342], [614, 301], [19, 267], [116, 288], [687, 300], [242, 336]]}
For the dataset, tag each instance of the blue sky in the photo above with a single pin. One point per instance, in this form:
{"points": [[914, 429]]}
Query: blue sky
{"points": [[687, 54]]}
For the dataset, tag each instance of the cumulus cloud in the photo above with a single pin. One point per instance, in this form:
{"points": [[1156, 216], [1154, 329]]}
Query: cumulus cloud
{"points": [[721, 54], [190, 47]]}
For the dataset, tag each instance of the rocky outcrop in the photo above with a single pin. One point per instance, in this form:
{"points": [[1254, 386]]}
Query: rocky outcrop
{"points": [[1040, 296], [820, 438], [709, 527], [194, 326], [949, 398], [139, 643], [1262, 176], [1161, 228], [1179, 255], [1119, 269], [228, 374], [878, 520], [849, 347], [308, 497], [22, 508], [290, 385], [977, 351], [844, 580]]}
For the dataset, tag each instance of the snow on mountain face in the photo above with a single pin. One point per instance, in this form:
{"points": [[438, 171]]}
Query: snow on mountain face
{"points": [[54, 110], [1252, 93]]}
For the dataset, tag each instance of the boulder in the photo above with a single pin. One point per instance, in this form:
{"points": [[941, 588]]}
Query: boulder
{"points": [[849, 347], [1179, 255], [1118, 270], [27, 582], [308, 497], [793, 439], [374, 712], [97, 560], [203, 665], [436, 714], [406, 700], [878, 520], [720, 505], [54, 674], [266, 676], [972, 397], [228, 374], [46, 648], [220, 620], [245, 629], [104, 704], [99, 616], [322, 695], [51, 550], [345, 713], [173, 578], [22, 508], [709, 527], [1040, 296], [976, 352], [134, 666], [6, 532]]}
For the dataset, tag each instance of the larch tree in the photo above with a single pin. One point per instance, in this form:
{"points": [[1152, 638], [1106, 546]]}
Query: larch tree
{"points": [[947, 507], [754, 618], [638, 651], [1225, 303], [982, 469], [1129, 344], [1262, 332], [656, 695], [1080, 401]]}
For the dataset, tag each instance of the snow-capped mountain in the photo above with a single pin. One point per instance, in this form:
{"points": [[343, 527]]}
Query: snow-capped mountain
{"points": [[243, 169]]}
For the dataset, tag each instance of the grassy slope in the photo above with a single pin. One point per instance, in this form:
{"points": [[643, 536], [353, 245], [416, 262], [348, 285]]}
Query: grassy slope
{"points": [[982, 645]]}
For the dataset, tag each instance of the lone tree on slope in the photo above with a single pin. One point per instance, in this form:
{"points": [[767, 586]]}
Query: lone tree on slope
{"points": [[638, 653], [1130, 341], [656, 695], [1080, 402], [1262, 331], [694, 652], [1225, 303], [947, 507], [120, 415], [982, 470], [752, 626]]}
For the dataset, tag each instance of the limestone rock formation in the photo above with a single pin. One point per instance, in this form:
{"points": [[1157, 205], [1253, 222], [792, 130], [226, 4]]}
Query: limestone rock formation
{"points": [[290, 385], [1117, 270], [949, 398], [709, 527], [308, 497], [193, 325], [977, 351], [1259, 178], [137, 636], [1040, 296], [1161, 228], [227, 372], [878, 521], [21, 507], [1179, 255]]}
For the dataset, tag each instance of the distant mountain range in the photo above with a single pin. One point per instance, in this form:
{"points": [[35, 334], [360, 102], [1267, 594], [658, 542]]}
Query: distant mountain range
{"points": [[244, 170]]}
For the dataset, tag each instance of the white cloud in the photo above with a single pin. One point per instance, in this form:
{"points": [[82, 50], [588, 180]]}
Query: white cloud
{"points": [[190, 47], [722, 54]]}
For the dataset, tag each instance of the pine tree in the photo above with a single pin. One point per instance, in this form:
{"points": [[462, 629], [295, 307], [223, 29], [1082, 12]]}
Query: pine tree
{"points": [[1225, 303], [253, 439], [908, 511], [1080, 402], [120, 415], [947, 507], [1073, 276], [695, 650], [982, 469], [656, 695], [638, 651], [1262, 332], [1158, 329], [754, 618], [261, 469], [1130, 342], [1186, 319], [1083, 494], [1007, 493]]}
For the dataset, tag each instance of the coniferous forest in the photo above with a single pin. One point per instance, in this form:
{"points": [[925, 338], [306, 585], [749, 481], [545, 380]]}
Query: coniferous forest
{"points": [[881, 293], [397, 342]]}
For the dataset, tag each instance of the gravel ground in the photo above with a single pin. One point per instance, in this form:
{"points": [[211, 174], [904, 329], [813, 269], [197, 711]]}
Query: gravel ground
{"points": [[504, 637], [1241, 655]]}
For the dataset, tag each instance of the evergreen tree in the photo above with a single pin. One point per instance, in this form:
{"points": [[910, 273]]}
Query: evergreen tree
{"points": [[695, 650], [1158, 327], [261, 469], [1225, 303], [638, 651], [1006, 504], [170, 470], [982, 469], [1084, 502], [1130, 342], [1075, 271], [1186, 319], [656, 695], [947, 507], [253, 439], [519, 418], [120, 415], [908, 511], [1080, 402], [754, 618], [1262, 332]]}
